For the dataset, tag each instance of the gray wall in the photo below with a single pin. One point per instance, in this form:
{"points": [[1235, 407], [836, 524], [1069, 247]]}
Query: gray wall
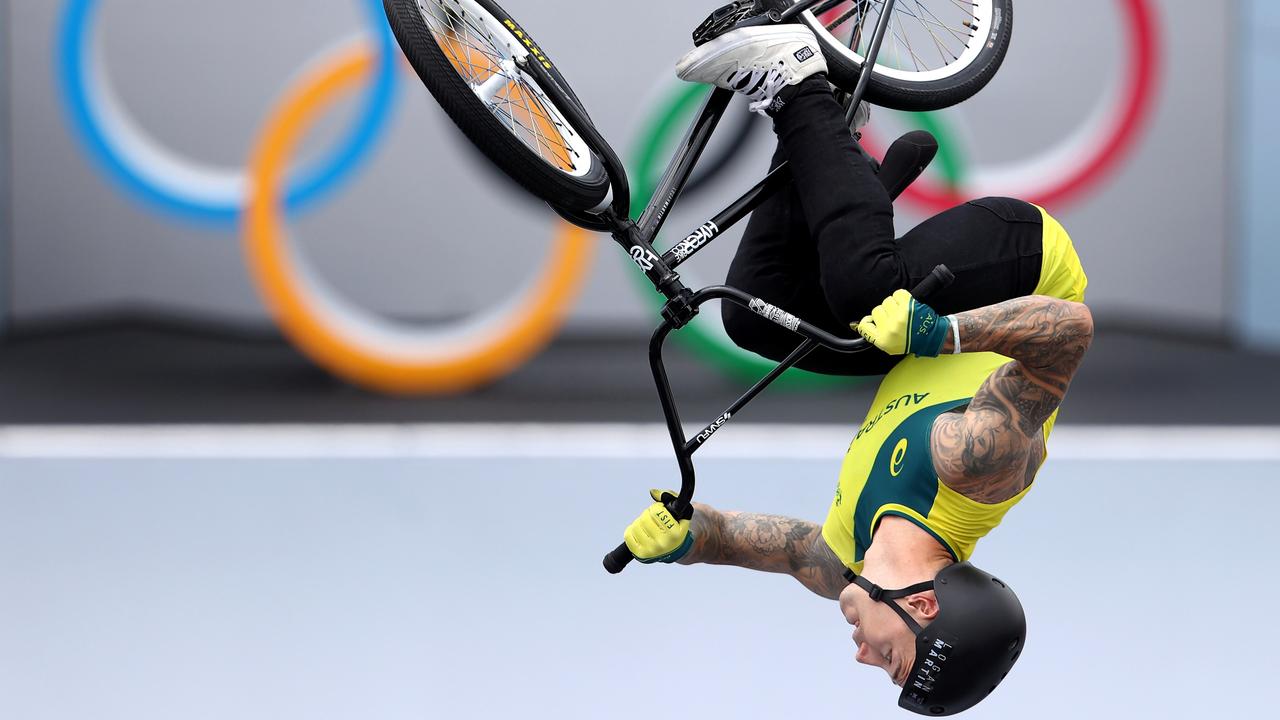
{"points": [[426, 232], [333, 590], [1257, 156], [6, 216]]}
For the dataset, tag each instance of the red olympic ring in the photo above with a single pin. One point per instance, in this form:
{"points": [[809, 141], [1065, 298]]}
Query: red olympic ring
{"points": [[1139, 89]]}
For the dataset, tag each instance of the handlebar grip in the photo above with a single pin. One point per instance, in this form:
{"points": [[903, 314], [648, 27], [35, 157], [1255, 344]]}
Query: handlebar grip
{"points": [[617, 559], [937, 280]]}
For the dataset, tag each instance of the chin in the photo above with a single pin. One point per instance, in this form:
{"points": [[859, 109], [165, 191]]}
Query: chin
{"points": [[848, 609]]}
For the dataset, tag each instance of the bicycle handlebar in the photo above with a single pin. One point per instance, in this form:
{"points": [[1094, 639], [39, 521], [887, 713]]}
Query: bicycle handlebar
{"points": [[618, 558], [935, 281]]}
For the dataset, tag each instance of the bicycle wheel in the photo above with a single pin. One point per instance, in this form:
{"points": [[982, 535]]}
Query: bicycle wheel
{"points": [[466, 53], [936, 53]]}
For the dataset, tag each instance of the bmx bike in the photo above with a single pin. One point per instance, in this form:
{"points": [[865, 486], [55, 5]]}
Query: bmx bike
{"points": [[511, 101]]}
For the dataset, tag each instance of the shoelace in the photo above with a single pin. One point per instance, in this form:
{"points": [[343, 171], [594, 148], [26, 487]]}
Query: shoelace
{"points": [[765, 84]]}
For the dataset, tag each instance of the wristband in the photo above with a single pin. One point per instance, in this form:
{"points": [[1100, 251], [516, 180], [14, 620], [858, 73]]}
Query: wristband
{"points": [[927, 331], [955, 329]]}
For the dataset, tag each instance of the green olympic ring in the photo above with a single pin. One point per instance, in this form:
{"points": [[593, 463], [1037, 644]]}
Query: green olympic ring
{"points": [[951, 166]]}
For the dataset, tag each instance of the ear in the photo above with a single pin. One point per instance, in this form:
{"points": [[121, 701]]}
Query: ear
{"points": [[923, 605]]}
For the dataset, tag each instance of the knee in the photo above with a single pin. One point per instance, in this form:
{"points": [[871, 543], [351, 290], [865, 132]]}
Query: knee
{"points": [[852, 298], [1010, 210], [752, 332], [741, 325]]}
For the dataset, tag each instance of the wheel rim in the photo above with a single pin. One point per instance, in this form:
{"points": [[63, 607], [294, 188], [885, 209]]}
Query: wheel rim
{"points": [[485, 55], [927, 40]]}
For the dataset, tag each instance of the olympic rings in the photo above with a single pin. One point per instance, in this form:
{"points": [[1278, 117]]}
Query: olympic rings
{"points": [[1063, 173], [368, 350], [177, 185], [361, 347]]}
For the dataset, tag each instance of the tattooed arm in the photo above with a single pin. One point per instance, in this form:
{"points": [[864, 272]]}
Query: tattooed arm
{"points": [[991, 452], [770, 543]]}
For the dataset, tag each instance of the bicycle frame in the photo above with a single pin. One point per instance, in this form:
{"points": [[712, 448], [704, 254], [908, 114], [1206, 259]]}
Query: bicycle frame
{"points": [[637, 237]]}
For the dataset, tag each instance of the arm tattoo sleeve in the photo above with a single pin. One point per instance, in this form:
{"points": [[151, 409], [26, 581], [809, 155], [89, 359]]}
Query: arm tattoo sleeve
{"points": [[770, 543], [986, 453]]}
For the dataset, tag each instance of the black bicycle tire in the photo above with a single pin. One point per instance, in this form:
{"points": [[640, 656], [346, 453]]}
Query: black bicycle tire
{"points": [[898, 94], [478, 123]]}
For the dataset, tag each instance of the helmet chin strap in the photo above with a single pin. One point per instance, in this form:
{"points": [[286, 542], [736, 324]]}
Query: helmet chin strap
{"points": [[887, 597]]}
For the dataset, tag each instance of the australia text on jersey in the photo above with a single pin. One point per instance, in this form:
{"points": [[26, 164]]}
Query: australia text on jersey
{"points": [[909, 400]]}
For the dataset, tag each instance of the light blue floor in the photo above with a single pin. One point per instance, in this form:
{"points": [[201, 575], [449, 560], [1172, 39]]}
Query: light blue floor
{"points": [[388, 590]]}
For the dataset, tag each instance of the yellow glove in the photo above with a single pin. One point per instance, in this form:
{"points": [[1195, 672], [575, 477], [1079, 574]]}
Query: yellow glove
{"points": [[658, 535], [901, 324]]}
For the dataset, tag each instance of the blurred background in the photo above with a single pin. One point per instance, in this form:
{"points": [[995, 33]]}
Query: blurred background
{"points": [[211, 508]]}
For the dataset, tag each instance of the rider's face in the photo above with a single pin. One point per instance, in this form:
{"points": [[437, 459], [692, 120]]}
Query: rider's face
{"points": [[882, 638]]}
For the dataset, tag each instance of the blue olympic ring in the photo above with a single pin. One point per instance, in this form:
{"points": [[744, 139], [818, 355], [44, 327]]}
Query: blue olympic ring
{"points": [[308, 187]]}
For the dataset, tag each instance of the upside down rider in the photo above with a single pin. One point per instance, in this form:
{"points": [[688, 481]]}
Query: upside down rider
{"points": [[959, 425]]}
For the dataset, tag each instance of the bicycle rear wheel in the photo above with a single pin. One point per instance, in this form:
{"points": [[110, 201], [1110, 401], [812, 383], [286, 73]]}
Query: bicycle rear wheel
{"points": [[468, 54], [936, 53]]}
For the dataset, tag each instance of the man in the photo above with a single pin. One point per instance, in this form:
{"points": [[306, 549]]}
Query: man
{"points": [[958, 427]]}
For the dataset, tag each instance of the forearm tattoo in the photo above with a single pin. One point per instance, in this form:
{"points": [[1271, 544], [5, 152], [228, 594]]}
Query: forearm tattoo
{"points": [[991, 452], [770, 543]]}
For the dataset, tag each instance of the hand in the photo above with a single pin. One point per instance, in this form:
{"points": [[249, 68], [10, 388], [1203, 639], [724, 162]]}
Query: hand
{"points": [[659, 535], [902, 325]]}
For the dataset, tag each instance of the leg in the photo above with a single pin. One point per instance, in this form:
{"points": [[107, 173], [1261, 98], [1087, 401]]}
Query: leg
{"points": [[993, 245], [842, 203], [999, 248], [847, 212], [777, 262], [846, 208]]}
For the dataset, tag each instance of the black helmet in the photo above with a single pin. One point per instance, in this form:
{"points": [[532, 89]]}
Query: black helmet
{"points": [[969, 647]]}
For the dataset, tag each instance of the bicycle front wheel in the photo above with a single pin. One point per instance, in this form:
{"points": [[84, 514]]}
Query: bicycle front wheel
{"points": [[935, 54], [468, 53]]}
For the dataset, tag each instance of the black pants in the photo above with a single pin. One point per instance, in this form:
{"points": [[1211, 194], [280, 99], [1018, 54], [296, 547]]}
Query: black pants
{"points": [[824, 249]]}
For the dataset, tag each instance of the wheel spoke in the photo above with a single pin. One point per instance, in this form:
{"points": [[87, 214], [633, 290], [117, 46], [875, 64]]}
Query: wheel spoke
{"points": [[965, 7], [933, 20], [864, 12], [949, 26], [944, 52], [963, 37], [541, 128], [488, 65]]}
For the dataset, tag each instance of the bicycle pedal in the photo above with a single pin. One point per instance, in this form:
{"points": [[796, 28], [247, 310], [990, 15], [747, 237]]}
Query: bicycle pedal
{"points": [[723, 20]]}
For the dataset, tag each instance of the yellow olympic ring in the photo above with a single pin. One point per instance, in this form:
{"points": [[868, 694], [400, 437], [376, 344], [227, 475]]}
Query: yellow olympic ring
{"points": [[361, 347]]}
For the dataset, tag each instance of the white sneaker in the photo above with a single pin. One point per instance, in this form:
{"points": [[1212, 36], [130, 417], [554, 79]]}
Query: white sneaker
{"points": [[861, 118], [755, 61]]}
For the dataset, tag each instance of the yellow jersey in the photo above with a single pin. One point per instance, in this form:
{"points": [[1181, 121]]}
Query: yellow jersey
{"points": [[888, 469]]}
